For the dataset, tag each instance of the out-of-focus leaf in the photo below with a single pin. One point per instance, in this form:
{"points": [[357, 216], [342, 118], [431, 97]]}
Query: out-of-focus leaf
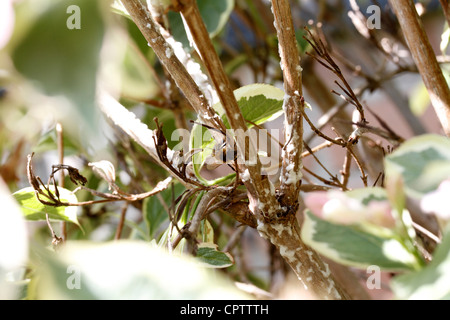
{"points": [[423, 162], [126, 270], [430, 283], [154, 212], [419, 100], [354, 246], [33, 209], [14, 240], [136, 78], [215, 15], [64, 61]]}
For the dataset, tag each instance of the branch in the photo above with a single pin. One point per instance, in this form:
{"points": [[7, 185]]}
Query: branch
{"points": [[306, 263], [294, 104], [262, 200], [425, 59], [150, 30]]}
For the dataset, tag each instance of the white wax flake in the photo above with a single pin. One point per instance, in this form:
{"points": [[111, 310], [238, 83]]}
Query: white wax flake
{"points": [[279, 228], [246, 175], [236, 116], [309, 279], [222, 87], [169, 52], [261, 228], [298, 267], [299, 69], [290, 148], [272, 188], [286, 99], [292, 177], [309, 253], [149, 25], [261, 206], [289, 255], [327, 271], [332, 288]]}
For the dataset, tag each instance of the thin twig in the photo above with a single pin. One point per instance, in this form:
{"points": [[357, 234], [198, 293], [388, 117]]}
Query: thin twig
{"points": [[60, 136], [121, 221]]}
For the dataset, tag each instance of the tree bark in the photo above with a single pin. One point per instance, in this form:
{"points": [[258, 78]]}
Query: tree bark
{"points": [[425, 59]]}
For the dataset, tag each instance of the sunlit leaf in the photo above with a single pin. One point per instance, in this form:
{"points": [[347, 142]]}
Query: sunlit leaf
{"points": [[63, 59], [430, 283], [357, 247], [126, 270], [258, 103], [33, 209], [423, 162]]}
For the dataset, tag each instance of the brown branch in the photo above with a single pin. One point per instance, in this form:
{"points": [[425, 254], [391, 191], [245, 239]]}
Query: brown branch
{"points": [[121, 221], [261, 198], [425, 59], [150, 30], [294, 104], [446, 8]]}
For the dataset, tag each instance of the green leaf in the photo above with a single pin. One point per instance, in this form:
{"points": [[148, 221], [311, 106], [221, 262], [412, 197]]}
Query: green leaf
{"points": [[64, 61], [33, 209], [366, 195], [202, 141], [155, 215], [423, 163], [419, 100], [137, 80], [355, 246], [215, 15], [124, 270], [258, 103], [432, 282], [209, 254], [445, 38]]}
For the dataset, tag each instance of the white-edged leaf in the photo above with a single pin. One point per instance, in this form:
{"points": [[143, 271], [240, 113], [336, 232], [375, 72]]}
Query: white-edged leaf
{"points": [[33, 209], [209, 254], [431, 282], [423, 162], [258, 103], [354, 246], [124, 270]]}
